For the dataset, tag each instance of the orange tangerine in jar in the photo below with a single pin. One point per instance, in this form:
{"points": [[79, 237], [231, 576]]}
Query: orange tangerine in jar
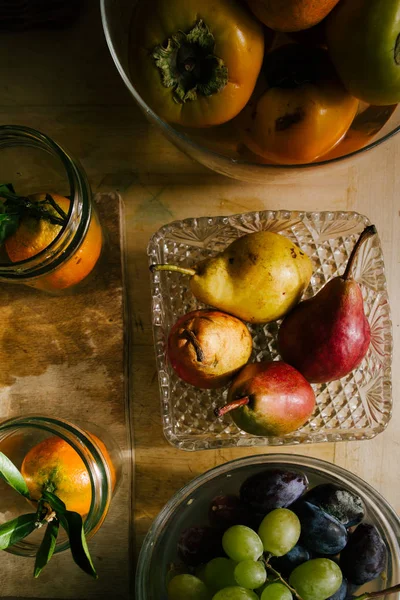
{"points": [[54, 465], [35, 235], [49, 241]]}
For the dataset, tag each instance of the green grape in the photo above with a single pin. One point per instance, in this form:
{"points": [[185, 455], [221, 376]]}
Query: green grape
{"points": [[219, 573], [200, 572], [316, 579], [242, 543], [279, 531], [235, 593], [186, 586], [260, 590], [250, 574], [276, 591]]}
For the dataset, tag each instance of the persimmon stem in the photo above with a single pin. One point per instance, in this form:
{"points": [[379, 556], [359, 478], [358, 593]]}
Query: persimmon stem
{"points": [[166, 267], [365, 235], [220, 412]]}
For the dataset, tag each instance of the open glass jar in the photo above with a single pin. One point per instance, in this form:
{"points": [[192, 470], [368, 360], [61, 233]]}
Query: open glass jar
{"points": [[98, 451], [35, 164]]}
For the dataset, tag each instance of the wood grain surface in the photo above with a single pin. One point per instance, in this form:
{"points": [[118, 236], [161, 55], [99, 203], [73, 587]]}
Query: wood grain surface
{"points": [[74, 94], [64, 356]]}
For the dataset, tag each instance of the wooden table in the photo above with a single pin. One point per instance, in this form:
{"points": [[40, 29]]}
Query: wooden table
{"points": [[65, 84]]}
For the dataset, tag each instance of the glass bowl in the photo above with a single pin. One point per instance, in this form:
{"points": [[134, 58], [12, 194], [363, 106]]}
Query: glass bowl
{"points": [[356, 407], [217, 147], [189, 506]]}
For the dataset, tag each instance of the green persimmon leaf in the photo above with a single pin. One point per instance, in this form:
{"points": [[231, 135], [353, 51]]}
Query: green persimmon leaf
{"points": [[56, 504], [16, 530], [10, 474], [73, 525], [47, 547]]}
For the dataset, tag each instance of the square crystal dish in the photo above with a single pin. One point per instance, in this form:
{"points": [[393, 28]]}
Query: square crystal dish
{"points": [[356, 407]]}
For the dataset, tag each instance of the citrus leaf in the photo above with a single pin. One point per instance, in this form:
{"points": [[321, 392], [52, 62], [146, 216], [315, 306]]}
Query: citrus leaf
{"points": [[73, 525], [6, 189], [8, 226], [10, 474], [47, 547], [54, 501], [16, 530]]}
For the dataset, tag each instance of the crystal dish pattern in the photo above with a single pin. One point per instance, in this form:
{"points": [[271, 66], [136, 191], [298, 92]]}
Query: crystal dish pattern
{"points": [[356, 407]]}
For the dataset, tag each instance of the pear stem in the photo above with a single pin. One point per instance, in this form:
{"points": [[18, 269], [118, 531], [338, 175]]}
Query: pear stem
{"points": [[189, 335], [220, 412], [166, 267], [365, 235]]}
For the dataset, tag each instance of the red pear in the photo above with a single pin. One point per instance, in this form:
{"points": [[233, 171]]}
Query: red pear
{"points": [[328, 335], [269, 398], [206, 347]]}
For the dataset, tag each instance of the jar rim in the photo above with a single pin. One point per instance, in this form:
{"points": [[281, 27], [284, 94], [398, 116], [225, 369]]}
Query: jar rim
{"points": [[90, 453], [72, 234]]}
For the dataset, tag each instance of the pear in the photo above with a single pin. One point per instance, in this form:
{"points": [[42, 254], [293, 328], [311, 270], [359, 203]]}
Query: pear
{"points": [[269, 398], [258, 277], [328, 335], [206, 348]]}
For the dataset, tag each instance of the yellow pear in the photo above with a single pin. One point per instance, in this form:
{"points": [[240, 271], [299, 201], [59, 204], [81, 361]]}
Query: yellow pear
{"points": [[258, 277]]}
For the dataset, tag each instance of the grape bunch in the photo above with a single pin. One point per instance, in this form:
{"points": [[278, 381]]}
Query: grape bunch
{"points": [[279, 540]]}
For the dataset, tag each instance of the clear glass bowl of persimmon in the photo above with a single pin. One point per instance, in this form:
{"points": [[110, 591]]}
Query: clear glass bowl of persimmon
{"points": [[260, 89]]}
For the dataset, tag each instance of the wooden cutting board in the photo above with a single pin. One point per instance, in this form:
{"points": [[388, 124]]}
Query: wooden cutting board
{"points": [[65, 356]]}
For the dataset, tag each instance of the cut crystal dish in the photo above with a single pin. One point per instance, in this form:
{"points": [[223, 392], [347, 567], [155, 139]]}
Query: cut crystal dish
{"points": [[356, 407]]}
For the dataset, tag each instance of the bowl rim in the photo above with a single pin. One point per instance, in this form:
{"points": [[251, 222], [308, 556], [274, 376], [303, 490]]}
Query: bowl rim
{"points": [[322, 467], [170, 131]]}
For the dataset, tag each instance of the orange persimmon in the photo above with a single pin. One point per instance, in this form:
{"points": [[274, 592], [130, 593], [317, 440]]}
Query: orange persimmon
{"points": [[195, 64], [303, 112]]}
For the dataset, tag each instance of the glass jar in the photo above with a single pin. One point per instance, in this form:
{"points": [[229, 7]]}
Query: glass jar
{"points": [[34, 163], [98, 451]]}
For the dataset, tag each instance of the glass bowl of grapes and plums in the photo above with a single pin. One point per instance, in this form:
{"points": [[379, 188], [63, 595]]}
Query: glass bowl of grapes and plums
{"points": [[272, 527]]}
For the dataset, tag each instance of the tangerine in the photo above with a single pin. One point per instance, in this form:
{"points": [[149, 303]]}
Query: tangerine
{"points": [[54, 465], [34, 235]]}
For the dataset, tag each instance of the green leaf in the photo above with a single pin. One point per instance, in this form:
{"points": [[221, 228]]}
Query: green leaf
{"points": [[55, 502], [73, 525], [8, 226], [6, 189], [10, 474], [47, 546], [16, 530]]}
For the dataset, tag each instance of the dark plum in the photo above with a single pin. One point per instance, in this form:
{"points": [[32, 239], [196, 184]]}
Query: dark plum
{"points": [[274, 488], [347, 507], [320, 532], [289, 561], [197, 545], [226, 511], [364, 557], [341, 594]]}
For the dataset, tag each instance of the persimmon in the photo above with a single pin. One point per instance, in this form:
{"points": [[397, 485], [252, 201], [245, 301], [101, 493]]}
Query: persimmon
{"points": [[291, 15], [195, 64], [303, 112]]}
